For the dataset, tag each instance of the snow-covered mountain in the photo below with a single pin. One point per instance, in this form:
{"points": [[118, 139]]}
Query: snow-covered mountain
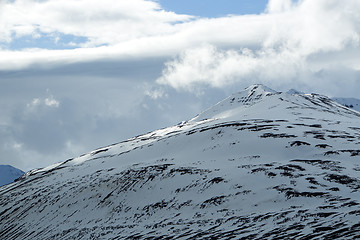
{"points": [[352, 103], [8, 174], [258, 165]]}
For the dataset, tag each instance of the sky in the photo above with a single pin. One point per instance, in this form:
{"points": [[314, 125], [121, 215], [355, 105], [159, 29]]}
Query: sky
{"points": [[76, 75], [214, 8]]}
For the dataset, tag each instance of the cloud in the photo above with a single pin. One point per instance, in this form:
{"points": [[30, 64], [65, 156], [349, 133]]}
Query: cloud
{"points": [[82, 31], [156, 93], [51, 102], [48, 102], [99, 103], [50, 115], [227, 31], [102, 22], [210, 66], [114, 29], [289, 54], [313, 26]]}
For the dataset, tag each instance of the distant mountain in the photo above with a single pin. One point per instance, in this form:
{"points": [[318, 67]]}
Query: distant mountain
{"points": [[294, 91], [8, 174], [258, 165], [352, 103]]}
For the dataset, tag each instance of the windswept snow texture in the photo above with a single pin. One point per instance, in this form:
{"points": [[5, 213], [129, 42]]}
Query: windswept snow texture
{"points": [[8, 174], [258, 165]]}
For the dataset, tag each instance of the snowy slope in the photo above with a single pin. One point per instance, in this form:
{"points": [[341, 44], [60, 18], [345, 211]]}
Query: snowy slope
{"points": [[258, 165], [8, 174]]}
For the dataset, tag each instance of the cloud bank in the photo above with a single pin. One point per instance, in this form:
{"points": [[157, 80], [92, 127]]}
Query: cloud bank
{"points": [[102, 22], [304, 40], [290, 43], [210, 66]]}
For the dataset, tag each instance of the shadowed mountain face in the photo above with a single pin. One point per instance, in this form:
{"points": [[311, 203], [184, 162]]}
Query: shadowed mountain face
{"points": [[258, 165], [8, 174], [352, 103]]}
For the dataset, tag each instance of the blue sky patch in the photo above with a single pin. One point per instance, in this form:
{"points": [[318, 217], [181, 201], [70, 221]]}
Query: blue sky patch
{"points": [[52, 41], [214, 8]]}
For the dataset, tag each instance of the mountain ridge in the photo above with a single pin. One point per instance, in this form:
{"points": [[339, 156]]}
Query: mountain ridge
{"points": [[258, 165]]}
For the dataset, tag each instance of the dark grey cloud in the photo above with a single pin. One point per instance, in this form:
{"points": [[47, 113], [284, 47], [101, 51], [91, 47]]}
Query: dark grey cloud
{"points": [[131, 68]]}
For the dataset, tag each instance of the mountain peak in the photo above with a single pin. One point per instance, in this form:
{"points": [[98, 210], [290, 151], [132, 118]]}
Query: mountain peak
{"points": [[253, 93], [259, 88], [242, 104], [247, 97], [264, 165]]}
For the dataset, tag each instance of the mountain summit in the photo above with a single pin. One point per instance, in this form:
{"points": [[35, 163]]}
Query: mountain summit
{"points": [[248, 97], [258, 165]]}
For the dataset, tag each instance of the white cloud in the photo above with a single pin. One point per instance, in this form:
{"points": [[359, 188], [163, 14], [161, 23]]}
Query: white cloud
{"points": [[314, 26], [278, 6], [210, 66], [298, 33], [119, 29], [103, 22], [51, 102], [116, 29], [227, 31], [156, 93]]}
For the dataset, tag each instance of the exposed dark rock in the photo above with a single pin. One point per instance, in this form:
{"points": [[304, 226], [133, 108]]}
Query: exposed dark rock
{"points": [[299, 143], [281, 135]]}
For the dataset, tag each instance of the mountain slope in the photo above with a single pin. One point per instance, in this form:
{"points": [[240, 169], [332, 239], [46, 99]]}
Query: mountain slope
{"points": [[8, 174], [352, 103], [258, 165]]}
